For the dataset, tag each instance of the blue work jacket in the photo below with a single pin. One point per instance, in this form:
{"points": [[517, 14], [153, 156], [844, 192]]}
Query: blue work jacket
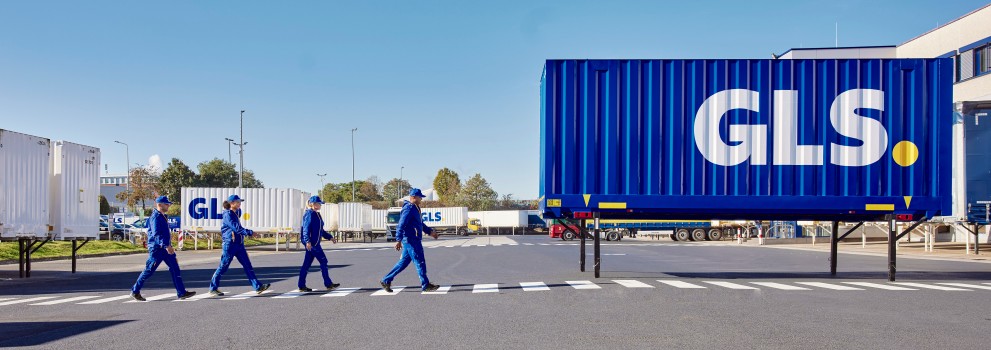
{"points": [[159, 235], [232, 230], [410, 226], [312, 228]]}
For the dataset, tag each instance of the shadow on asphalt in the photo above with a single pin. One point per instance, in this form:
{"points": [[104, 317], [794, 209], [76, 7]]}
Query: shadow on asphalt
{"points": [[41, 333]]}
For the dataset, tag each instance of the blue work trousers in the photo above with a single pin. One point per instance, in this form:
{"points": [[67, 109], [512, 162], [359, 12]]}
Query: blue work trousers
{"points": [[314, 253], [412, 252], [156, 256], [232, 251]]}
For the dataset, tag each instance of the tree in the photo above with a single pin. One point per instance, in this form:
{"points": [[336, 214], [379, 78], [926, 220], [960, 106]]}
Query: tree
{"points": [[334, 193], [368, 190], [105, 208], [221, 173], [395, 189], [507, 202], [447, 184], [477, 194], [174, 210], [176, 176], [144, 187]]}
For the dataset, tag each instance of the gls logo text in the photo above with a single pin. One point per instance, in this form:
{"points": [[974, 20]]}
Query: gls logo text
{"points": [[431, 217], [198, 209], [752, 139]]}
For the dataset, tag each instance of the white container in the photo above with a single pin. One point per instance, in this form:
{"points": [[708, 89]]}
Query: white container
{"points": [[354, 217], [378, 220], [331, 216], [25, 169], [450, 217], [75, 190], [263, 209], [501, 218]]}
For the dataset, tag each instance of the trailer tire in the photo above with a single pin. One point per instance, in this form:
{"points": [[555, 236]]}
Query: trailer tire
{"points": [[612, 236], [697, 235], [568, 235], [682, 234], [715, 234]]}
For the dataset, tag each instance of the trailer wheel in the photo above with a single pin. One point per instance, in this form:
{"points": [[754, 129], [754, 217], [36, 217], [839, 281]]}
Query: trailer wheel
{"points": [[612, 236], [698, 235], [568, 235], [681, 234], [715, 234]]}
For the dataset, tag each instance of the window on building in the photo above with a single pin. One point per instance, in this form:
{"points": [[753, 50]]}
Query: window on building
{"points": [[982, 60]]}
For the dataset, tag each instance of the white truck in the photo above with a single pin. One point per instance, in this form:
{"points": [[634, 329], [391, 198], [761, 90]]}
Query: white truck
{"points": [[442, 220]]}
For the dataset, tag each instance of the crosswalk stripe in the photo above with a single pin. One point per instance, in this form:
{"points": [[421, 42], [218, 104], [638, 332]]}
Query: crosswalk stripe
{"points": [[157, 297], [780, 286], [964, 285], [2, 299], [878, 286], [583, 285], [680, 284], [67, 300], [340, 292], [247, 295], [12, 302], [485, 288], [196, 297], [439, 291], [395, 290], [926, 286], [633, 284], [534, 286], [828, 286], [290, 295], [105, 300], [730, 285]]}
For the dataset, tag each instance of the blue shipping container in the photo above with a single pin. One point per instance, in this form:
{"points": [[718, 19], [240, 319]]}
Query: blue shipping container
{"points": [[746, 139]]}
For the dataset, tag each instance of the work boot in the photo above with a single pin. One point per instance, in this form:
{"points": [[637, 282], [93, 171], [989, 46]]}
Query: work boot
{"points": [[305, 289], [431, 287], [333, 286], [137, 296], [263, 288], [186, 295], [216, 293], [387, 287]]}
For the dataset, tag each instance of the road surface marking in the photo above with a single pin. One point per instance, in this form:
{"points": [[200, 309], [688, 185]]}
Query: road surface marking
{"points": [[105, 300], [680, 284], [926, 286], [485, 288], [24, 301], [395, 290], [780, 286], [730, 285], [583, 285], [196, 297], [828, 286], [878, 286], [534, 286], [247, 295], [290, 295], [633, 284], [67, 300], [340, 292], [964, 285], [439, 291], [157, 297]]}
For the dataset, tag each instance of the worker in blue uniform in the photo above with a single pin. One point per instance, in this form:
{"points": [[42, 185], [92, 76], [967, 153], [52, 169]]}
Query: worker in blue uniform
{"points": [[159, 250], [409, 234], [234, 235], [310, 234]]}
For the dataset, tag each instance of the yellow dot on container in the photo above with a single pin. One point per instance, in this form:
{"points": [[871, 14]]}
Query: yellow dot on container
{"points": [[905, 153], [247, 216]]}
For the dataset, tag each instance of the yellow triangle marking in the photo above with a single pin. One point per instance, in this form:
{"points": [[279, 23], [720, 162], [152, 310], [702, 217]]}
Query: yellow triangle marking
{"points": [[908, 201], [587, 197]]}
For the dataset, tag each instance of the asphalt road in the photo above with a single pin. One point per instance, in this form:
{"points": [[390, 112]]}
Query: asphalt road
{"points": [[526, 295]]}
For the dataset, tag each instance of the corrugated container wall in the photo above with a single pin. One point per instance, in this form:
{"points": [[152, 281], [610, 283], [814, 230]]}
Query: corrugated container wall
{"points": [[25, 168], [354, 217], [263, 209], [378, 220], [445, 217], [746, 139], [501, 218], [75, 190], [331, 216]]}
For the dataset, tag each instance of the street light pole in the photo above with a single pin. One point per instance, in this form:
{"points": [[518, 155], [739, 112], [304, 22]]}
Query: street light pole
{"points": [[352, 163], [399, 186], [127, 150], [321, 182], [229, 142], [240, 174]]}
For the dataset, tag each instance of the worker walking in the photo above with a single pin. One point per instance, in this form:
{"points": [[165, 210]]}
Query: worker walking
{"points": [[159, 250], [310, 234], [234, 235], [409, 233]]}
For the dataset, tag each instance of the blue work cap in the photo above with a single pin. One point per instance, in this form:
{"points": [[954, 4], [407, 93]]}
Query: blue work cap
{"points": [[234, 198], [163, 200], [416, 193], [315, 199]]}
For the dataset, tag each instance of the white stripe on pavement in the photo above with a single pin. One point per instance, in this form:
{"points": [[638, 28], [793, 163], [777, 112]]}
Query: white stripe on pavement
{"points": [[290, 295], [157, 297], [105, 300], [780, 286], [926, 286], [828, 286], [340, 292], [247, 295], [199, 296], [730, 285], [583, 285], [534, 286], [24, 301], [395, 290], [633, 284], [485, 288], [439, 291], [680, 284], [878, 286], [67, 300], [964, 285]]}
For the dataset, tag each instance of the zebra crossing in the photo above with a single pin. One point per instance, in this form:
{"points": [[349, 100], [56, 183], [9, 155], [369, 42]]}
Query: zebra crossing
{"points": [[523, 287], [481, 245]]}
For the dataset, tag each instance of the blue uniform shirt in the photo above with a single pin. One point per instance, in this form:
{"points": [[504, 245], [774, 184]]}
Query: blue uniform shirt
{"points": [[312, 228], [232, 230], [410, 226], [159, 235]]}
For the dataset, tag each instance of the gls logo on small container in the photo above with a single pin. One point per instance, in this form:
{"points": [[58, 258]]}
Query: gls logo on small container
{"points": [[431, 217], [752, 139], [198, 209]]}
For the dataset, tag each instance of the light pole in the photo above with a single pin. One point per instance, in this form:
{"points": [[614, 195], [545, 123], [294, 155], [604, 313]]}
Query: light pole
{"points": [[399, 186], [127, 150], [229, 142], [352, 163], [321, 182], [240, 174]]}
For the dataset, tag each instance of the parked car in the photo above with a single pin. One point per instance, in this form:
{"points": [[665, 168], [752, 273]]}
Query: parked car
{"points": [[117, 233]]}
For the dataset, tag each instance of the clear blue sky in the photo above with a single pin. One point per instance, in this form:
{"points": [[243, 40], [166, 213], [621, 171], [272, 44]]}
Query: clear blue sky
{"points": [[429, 84]]}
